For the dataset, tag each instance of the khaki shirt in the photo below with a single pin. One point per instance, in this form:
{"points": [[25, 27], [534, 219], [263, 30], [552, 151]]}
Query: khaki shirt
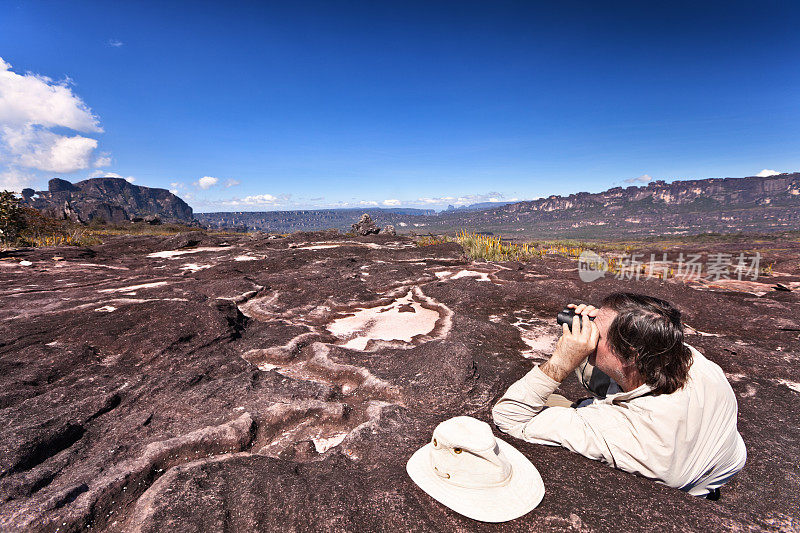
{"points": [[687, 439]]}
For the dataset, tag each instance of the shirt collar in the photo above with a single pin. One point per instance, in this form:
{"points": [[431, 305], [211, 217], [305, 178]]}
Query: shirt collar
{"points": [[639, 391]]}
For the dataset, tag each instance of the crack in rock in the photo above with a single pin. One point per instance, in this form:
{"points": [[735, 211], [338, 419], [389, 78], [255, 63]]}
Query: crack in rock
{"points": [[325, 424], [108, 494]]}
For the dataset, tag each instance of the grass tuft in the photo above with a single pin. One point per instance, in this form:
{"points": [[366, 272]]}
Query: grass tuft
{"points": [[484, 247]]}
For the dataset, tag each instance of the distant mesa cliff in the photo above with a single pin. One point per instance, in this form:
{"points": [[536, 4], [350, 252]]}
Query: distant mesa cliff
{"points": [[783, 189], [723, 205], [403, 219], [109, 199]]}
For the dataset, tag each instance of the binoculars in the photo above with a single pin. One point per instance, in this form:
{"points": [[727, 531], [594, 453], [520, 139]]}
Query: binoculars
{"points": [[566, 316]]}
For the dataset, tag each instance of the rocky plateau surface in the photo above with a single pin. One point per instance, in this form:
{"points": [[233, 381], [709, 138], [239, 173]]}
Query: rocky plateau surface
{"points": [[250, 383]]}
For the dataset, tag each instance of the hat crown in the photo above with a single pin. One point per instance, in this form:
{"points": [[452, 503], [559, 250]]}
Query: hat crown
{"points": [[465, 453]]}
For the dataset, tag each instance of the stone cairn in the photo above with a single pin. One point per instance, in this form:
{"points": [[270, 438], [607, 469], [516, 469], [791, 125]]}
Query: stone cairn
{"points": [[366, 226]]}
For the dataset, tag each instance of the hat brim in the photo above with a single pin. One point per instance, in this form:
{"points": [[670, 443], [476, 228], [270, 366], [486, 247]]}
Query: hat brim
{"points": [[519, 496]]}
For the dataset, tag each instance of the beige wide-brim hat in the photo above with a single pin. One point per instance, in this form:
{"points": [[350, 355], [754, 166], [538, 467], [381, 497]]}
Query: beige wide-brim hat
{"points": [[475, 474]]}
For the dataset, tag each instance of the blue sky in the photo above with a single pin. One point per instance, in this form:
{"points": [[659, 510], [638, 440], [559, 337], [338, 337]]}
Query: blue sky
{"points": [[262, 106]]}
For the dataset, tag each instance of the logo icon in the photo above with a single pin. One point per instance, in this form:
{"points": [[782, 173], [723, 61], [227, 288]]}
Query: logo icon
{"points": [[591, 266]]}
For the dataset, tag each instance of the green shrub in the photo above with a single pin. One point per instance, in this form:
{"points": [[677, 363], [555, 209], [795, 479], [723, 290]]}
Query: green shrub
{"points": [[12, 218]]}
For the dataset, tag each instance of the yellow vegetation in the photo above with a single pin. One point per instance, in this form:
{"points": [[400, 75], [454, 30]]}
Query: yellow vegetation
{"points": [[617, 256], [493, 248]]}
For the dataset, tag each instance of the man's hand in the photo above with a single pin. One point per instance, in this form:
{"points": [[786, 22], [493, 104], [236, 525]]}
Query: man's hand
{"points": [[575, 345]]}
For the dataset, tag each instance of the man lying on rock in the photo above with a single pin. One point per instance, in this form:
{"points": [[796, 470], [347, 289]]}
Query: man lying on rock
{"points": [[660, 410]]}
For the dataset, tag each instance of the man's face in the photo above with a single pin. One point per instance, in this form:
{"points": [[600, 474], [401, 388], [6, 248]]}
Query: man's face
{"points": [[603, 358]]}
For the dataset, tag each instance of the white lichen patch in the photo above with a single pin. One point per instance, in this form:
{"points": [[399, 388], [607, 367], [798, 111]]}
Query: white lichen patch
{"points": [[447, 275], [388, 245], [692, 331], [264, 308], [112, 267], [323, 444], [750, 391], [541, 344], [538, 335], [735, 378], [131, 288], [246, 258], [319, 246], [791, 384], [243, 297], [194, 267], [753, 287], [106, 309], [170, 254], [372, 245], [118, 302], [482, 276], [401, 320], [25, 263]]}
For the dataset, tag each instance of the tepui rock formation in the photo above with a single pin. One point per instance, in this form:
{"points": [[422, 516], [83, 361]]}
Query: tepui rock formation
{"points": [[112, 200]]}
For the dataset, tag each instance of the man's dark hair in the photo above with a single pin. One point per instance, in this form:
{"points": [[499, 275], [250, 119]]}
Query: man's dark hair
{"points": [[649, 332]]}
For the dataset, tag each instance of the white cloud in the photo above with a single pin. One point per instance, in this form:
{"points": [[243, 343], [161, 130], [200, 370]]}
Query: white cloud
{"points": [[30, 107], [256, 201], [644, 178], [267, 200], [115, 43], [232, 183], [104, 174], [103, 161], [14, 180], [767, 173], [34, 99], [178, 188], [260, 199], [206, 182], [429, 201], [467, 199], [41, 149]]}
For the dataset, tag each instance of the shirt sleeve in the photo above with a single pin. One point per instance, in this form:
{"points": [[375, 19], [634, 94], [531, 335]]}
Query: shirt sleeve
{"points": [[522, 413]]}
